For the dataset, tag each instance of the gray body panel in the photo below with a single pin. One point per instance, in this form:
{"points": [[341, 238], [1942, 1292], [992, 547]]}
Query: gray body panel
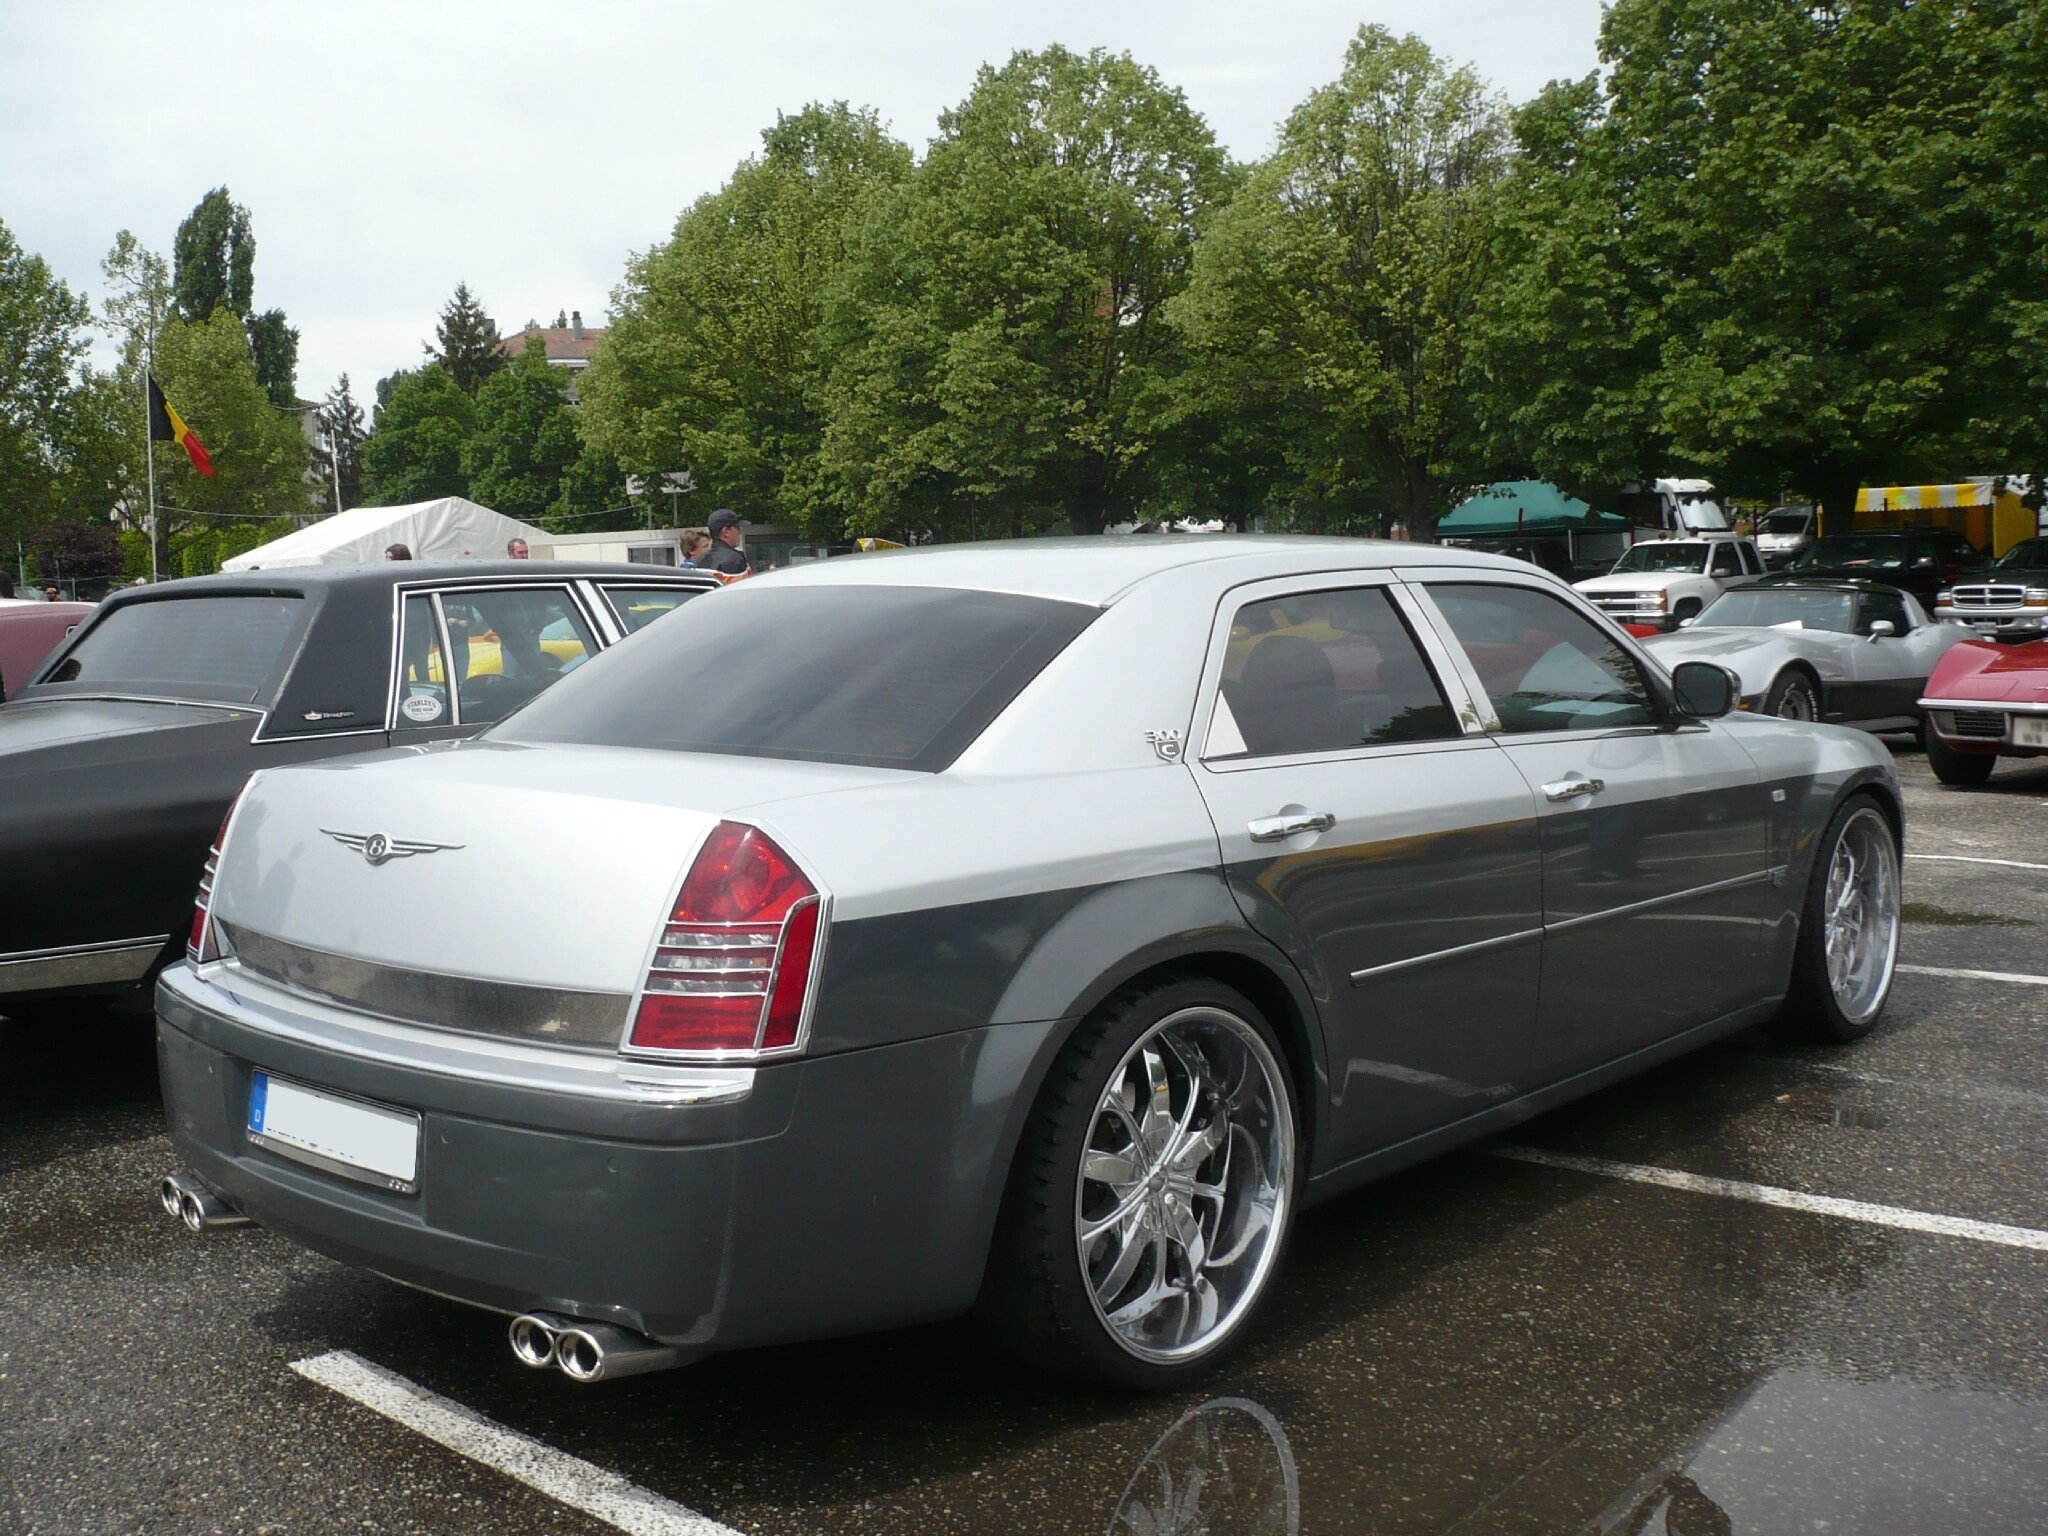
{"points": [[1427, 961]]}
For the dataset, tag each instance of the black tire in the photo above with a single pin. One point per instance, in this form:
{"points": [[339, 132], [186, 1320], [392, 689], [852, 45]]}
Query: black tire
{"points": [[1793, 697], [1037, 1302], [1960, 770], [1688, 608], [1811, 1011]]}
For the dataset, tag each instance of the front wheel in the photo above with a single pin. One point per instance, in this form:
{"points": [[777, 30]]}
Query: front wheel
{"points": [[1960, 770], [1154, 1190], [1848, 946], [1792, 697]]}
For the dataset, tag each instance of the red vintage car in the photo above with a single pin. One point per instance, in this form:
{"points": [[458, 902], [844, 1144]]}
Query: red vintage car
{"points": [[1986, 701], [29, 631]]}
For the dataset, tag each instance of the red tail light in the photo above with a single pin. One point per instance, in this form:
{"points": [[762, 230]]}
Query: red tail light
{"points": [[735, 961], [201, 944]]}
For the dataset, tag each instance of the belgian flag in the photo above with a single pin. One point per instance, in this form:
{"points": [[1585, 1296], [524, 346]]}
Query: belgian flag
{"points": [[166, 426]]}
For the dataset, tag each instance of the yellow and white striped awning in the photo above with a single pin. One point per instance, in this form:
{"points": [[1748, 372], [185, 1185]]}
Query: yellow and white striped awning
{"points": [[1913, 498]]}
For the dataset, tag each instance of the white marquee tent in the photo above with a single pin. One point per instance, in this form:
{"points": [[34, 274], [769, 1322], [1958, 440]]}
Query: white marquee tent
{"points": [[448, 529]]}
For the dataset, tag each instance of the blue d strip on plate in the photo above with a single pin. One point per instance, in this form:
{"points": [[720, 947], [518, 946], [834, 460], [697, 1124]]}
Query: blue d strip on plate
{"points": [[259, 1094]]}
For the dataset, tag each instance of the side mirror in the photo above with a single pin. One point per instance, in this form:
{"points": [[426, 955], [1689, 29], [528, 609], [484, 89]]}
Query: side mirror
{"points": [[1704, 690], [1879, 628], [1688, 621]]}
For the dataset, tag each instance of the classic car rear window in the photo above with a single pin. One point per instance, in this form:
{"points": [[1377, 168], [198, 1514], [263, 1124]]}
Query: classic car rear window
{"points": [[886, 677], [225, 649]]}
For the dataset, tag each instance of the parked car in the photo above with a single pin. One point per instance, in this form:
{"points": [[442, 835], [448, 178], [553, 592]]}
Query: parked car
{"points": [[1918, 560], [29, 631], [119, 757], [1043, 924], [2011, 597], [1660, 583], [1986, 701], [1784, 533], [1850, 652]]}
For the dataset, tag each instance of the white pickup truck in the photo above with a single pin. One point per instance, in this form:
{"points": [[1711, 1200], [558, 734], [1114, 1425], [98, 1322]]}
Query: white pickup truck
{"points": [[1663, 582]]}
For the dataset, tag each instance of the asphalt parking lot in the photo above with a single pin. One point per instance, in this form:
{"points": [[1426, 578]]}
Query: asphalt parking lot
{"points": [[1763, 1289]]}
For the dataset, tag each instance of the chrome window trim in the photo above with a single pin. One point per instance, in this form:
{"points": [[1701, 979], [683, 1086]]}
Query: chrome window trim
{"points": [[110, 961], [1669, 898], [1455, 952], [1240, 594]]}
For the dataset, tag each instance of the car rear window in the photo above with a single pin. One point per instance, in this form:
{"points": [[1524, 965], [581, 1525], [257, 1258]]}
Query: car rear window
{"points": [[222, 649], [887, 677]]}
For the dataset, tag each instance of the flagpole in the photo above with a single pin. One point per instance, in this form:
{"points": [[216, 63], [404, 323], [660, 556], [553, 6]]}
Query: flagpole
{"points": [[148, 432]]}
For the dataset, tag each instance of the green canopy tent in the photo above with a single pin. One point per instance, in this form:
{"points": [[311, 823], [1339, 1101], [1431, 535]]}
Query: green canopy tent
{"points": [[1524, 506]]}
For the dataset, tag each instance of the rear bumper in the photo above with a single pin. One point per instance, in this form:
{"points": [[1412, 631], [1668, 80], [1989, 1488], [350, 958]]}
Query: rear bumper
{"points": [[803, 1199]]}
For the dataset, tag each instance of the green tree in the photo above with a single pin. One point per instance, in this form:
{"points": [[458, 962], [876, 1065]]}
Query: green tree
{"points": [[1781, 244], [1001, 329], [415, 454], [42, 344], [716, 359], [260, 457], [341, 435], [468, 340], [215, 256], [274, 351], [1334, 299], [525, 439]]}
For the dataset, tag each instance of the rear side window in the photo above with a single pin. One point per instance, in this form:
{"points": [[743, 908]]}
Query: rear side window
{"points": [[226, 649], [1324, 672], [888, 677]]}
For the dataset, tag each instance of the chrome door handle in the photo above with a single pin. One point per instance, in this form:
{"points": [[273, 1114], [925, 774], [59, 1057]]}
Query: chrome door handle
{"points": [[1571, 789], [1277, 829]]}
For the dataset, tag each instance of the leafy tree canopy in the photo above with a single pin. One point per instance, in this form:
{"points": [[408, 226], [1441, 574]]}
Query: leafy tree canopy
{"points": [[716, 358], [1002, 319], [42, 344], [342, 433], [525, 439], [423, 421], [215, 256]]}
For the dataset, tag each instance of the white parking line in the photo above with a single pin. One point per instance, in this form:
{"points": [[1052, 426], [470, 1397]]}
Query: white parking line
{"points": [[2019, 977], [564, 1478], [1964, 858], [1790, 1199]]}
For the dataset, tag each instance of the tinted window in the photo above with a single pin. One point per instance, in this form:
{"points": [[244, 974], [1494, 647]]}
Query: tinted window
{"points": [[1545, 666], [1883, 605], [511, 644], [1726, 562], [226, 649], [1856, 551], [1662, 557], [422, 669], [893, 677], [2031, 553], [637, 607], [1323, 671], [1787, 522]]}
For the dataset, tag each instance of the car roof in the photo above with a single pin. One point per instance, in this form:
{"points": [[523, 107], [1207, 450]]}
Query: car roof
{"points": [[310, 579], [1100, 569]]}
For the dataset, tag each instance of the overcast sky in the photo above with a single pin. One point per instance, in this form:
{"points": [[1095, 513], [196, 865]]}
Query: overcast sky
{"points": [[386, 151]]}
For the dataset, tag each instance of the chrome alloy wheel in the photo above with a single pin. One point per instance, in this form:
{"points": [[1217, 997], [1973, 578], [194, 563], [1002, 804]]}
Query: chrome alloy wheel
{"points": [[1186, 1184], [1860, 910]]}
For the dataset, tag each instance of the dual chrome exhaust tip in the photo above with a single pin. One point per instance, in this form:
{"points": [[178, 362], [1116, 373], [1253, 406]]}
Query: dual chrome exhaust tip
{"points": [[584, 1351], [185, 1197]]}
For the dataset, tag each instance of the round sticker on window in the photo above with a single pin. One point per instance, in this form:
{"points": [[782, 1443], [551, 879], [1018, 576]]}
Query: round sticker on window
{"points": [[421, 708]]}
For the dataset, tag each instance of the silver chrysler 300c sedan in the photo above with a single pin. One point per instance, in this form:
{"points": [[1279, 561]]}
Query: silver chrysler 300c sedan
{"points": [[1039, 926]]}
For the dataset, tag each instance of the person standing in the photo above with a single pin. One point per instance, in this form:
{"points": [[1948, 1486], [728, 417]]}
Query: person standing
{"points": [[696, 544], [727, 556], [515, 549], [397, 552]]}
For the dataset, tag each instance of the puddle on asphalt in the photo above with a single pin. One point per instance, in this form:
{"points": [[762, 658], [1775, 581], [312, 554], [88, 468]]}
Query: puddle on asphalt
{"points": [[1843, 1111], [1945, 917]]}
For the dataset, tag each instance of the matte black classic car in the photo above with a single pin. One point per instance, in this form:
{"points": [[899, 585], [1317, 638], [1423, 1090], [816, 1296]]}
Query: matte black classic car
{"points": [[122, 754], [1917, 560]]}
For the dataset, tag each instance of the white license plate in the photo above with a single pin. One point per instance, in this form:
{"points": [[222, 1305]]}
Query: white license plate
{"points": [[345, 1136], [2030, 731]]}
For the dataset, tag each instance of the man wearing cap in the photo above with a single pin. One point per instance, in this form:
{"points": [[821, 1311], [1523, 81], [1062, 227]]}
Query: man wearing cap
{"points": [[727, 556]]}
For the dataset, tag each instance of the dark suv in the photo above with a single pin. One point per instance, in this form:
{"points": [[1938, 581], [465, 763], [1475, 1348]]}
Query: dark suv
{"points": [[1921, 560]]}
